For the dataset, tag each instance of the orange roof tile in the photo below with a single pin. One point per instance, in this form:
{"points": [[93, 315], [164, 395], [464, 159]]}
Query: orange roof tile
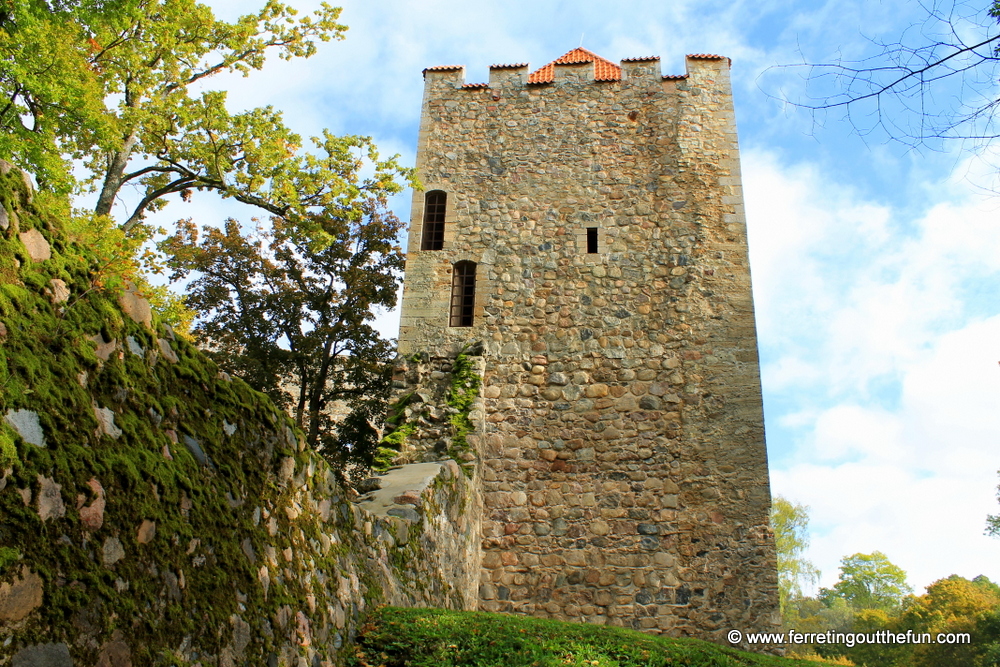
{"points": [[640, 59], [475, 85], [604, 70], [508, 66], [443, 68], [705, 56]]}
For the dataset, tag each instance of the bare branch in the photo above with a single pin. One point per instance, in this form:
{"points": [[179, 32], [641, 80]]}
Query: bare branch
{"points": [[930, 84]]}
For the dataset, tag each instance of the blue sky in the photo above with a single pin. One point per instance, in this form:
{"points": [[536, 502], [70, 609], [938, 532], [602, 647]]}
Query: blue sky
{"points": [[875, 266]]}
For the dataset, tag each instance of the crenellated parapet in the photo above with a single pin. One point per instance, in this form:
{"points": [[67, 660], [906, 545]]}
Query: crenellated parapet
{"points": [[578, 66]]}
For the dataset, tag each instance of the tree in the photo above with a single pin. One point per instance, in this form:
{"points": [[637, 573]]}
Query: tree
{"points": [[113, 87], [935, 81], [993, 520], [790, 523], [288, 308], [953, 605], [110, 83], [869, 581]]}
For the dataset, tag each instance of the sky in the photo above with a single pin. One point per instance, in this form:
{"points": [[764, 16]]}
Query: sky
{"points": [[875, 264]]}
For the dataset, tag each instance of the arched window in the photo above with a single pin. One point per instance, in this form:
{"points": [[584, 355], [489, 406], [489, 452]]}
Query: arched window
{"points": [[463, 294], [432, 237]]}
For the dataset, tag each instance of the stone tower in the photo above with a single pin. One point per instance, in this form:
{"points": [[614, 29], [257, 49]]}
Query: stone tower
{"points": [[585, 222]]}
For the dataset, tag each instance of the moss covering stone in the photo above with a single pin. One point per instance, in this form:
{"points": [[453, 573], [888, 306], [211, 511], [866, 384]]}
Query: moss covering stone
{"points": [[170, 511], [431, 418]]}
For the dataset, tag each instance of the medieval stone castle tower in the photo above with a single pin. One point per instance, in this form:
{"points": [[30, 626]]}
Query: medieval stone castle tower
{"points": [[585, 223]]}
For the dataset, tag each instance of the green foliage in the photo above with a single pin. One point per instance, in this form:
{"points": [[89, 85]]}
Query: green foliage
{"points": [[383, 458], [869, 581], [110, 83], [51, 96], [288, 307], [790, 523], [8, 556], [443, 638], [951, 605], [397, 431], [8, 452], [464, 389]]}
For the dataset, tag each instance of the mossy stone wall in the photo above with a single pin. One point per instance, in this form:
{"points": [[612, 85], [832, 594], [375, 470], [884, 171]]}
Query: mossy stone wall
{"points": [[156, 511]]}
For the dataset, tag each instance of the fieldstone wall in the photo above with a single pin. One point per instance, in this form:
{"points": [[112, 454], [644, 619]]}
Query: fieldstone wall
{"points": [[158, 512], [426, 422], [622, 456]]}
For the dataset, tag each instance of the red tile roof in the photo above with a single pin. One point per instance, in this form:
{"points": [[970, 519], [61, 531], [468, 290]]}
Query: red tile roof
{"points": [[475, 85], [670, 77], [640, 59], [604, 70], [705, 56], [443, 68], [509, 66]]}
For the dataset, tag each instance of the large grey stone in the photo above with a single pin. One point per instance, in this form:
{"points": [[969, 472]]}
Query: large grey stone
{"points": [[134, 347], [286, 470], [112, 552], [136, 306], [43, 655], [49, 499], [60, 292], [25, 422], [167, 352], [195, 448], [403, 485], [106, 422], [103, 350], [242, 634], [407, 513], [38, 248]]}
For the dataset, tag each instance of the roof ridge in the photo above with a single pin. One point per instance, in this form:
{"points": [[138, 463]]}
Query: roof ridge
{"points": [[604, 69]]}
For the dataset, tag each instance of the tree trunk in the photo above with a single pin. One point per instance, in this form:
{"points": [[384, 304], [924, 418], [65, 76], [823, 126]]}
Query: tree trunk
{"points": [[113, 178]]}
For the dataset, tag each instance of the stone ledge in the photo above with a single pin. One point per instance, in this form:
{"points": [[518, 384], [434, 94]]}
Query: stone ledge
{"points": [[403, 487]]}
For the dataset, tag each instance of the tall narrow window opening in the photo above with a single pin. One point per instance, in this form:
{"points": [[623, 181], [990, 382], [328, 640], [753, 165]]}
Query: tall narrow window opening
{"points": [[591, 240], [432, 237], [463, 294]]}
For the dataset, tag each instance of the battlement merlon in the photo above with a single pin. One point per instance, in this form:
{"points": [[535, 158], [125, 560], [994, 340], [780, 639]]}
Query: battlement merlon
{"points": [[508, 76], [698, 66]]}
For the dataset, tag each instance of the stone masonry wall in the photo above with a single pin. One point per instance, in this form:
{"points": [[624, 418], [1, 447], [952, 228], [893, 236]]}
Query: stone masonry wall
{"points": [[622, 456], [159, 512]]}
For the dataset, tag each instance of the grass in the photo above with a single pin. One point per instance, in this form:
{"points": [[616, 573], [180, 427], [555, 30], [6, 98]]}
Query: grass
{"points": [[396, 637]]}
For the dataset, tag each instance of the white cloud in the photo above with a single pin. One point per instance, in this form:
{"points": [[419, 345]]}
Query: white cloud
{"points": [[878, 340]]}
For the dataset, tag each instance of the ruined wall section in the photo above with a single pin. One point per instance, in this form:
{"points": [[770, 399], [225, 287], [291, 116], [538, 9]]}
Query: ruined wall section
{"points": [[624, 468], [157, 511]]}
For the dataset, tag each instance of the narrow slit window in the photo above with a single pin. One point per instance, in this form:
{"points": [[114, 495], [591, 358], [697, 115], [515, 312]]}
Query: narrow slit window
{"points": [[432, 237], [591, 240], [463, 294]]}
